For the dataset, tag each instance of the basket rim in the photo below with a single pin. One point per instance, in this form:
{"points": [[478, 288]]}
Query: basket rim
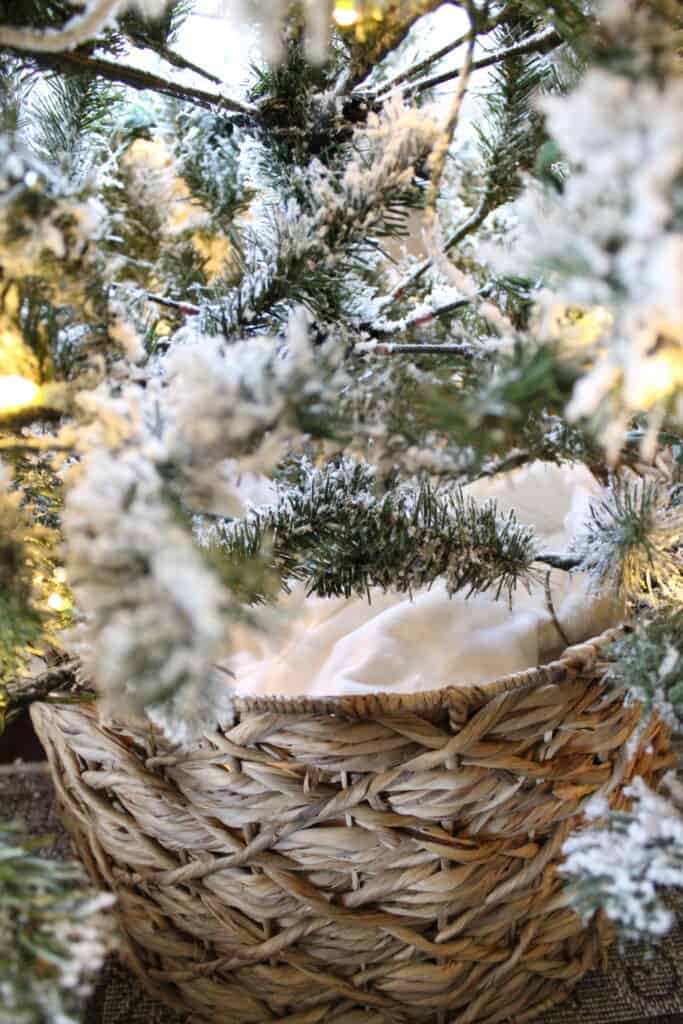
{"points": [[573, 660]]}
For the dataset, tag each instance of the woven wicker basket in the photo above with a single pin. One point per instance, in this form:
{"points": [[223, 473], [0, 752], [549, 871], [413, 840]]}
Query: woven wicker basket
{"points": [[377, 858]]}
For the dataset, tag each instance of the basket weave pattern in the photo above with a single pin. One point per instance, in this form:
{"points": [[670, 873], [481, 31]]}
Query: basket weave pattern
{"points": [[377, 858]]}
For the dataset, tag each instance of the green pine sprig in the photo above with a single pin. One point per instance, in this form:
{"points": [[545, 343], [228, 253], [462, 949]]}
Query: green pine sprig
{"points": [[648, 662], [52, 934], [633, 543], [336, 533]]}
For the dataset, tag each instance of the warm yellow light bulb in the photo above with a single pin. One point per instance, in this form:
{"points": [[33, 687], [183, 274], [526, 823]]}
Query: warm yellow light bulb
{"points": [[16, 392], [345, 13], [655, 378], [579, 326], [58, 603]]}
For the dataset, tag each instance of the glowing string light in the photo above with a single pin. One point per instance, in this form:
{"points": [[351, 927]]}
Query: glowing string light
{"points": [[345, 13], [58, 602], [654, 378], [16, 392], [19, 370], [579, 327]]}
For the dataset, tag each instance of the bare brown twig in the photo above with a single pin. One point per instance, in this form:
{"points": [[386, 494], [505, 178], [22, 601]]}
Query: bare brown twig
{"points": [[185, 308], [378, 328], [393, 349]]}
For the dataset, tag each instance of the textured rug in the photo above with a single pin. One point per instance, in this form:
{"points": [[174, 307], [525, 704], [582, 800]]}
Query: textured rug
{"points": [[644, 986]]}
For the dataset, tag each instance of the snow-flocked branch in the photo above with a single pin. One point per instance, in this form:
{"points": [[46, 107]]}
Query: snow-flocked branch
{"points": [[625, 861], [461, 232], [56, 933], [539, 43], [137, 78], [61, 678], [632, 542], [177, 60], [333, 531], [416, 69], [394, 349], [648, 661], [313, 241], [380, 327], [160, 615], [185, 308], [77, 30]]}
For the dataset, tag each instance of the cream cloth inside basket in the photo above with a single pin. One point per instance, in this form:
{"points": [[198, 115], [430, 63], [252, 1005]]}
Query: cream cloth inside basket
{"points": [[347, 646]]}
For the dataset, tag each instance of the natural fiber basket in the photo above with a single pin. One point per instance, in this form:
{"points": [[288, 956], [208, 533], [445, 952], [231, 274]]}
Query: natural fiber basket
{"points": [[376, 858]]}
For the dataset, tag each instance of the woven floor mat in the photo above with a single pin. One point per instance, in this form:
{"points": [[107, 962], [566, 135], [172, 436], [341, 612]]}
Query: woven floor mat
{"points": [[639, 986]]}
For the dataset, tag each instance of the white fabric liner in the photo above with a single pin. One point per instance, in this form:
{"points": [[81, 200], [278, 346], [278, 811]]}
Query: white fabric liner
{"points": [[334, 646]]}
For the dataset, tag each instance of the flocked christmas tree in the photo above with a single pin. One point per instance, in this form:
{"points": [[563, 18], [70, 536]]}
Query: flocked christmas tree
{"points": [[196, 284]]}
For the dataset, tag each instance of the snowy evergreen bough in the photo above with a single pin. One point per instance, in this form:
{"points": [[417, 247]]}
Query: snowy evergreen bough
{"points": [[372, 274], [54, 933], [333, 532], [625, 864]]}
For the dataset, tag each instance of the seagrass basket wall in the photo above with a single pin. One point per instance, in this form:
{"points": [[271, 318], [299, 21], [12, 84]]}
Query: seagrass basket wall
{"points": [[379, 858]]}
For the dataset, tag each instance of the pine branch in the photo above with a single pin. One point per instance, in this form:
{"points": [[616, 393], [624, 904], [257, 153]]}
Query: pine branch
{"points": [[512, 132], [648, 662], [55, 932], [160, 32], [77, 30], [13, 92], [376, 328], [416, 69], [474, 221], [185, 308], [176, 59], [543, 42], [123, 74], [564, 562], [299, 114], [382, 38], [462, 351], [336, 534], [632, 543], [318, 239], [509, 402], [71, 121], [379, 327], [60, 678], [509, 142], [208, 162], [503, 464], [625, 861]]}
